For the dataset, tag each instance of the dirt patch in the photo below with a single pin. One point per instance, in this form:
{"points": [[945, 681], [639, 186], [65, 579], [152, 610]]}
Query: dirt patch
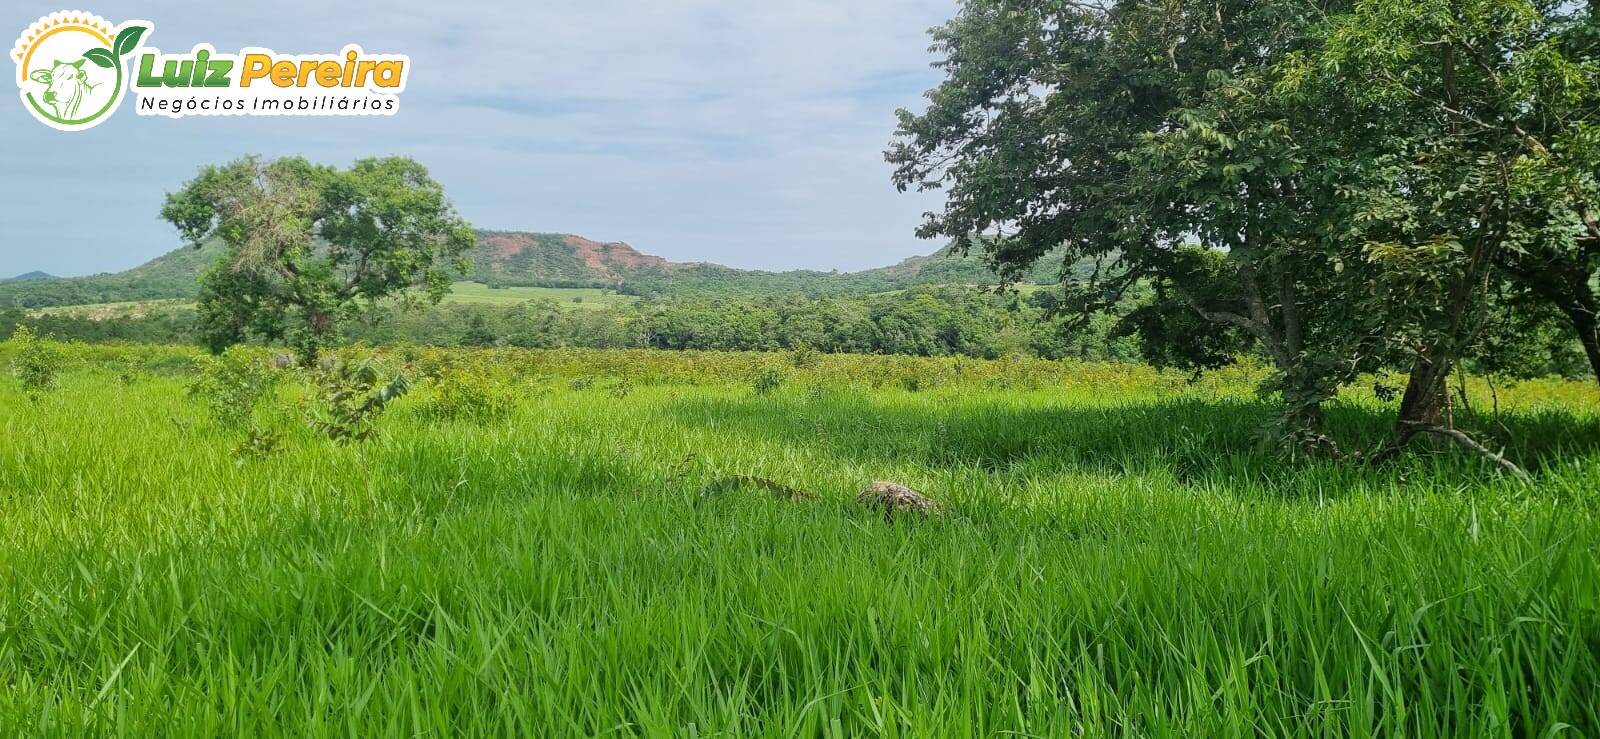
{"points": [[505, 246], [606, 257]]}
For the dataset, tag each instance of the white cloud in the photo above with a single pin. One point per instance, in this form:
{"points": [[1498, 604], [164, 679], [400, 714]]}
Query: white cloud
{"points": [[741, 132]]}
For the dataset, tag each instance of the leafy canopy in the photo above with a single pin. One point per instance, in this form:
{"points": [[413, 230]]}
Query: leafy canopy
{"points": [[310, 245]]}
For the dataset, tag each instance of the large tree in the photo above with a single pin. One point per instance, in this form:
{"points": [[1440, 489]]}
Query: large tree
{"points": [[1094, 127], [1346, 185], [310, 245], [1486, 111]]}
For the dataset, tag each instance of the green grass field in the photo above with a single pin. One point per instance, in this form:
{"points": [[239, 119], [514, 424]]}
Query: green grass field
{"points": [[1117, 557], [111, 311], [579, 297], [460, 292]]}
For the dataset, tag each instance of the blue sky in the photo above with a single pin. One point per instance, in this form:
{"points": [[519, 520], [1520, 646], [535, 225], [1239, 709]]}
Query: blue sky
{"points": [[743, 132]]}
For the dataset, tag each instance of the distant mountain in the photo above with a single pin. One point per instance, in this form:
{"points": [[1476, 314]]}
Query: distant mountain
{"points": [[31, 276], [515, 259]]}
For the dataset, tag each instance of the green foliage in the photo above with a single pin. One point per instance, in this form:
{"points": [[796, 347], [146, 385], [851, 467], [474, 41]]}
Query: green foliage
{"points": [[951, 266], [1368, 179], [546, 262], [36, 361], [620, 388], [471, 392], [258, 444], [173, 275], [767, 381], [309, 245], [803, 355], [352, 395], [233, 384]]}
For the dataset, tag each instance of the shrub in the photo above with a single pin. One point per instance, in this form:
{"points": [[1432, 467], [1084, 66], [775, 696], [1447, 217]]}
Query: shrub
{"points": [[36, 363], [767, 381], [470, 393], [804, 356], [233, 384], [351, 396], [258, 444]]}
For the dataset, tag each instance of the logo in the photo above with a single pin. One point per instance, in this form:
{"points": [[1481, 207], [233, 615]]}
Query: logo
{"points": [[72, 67], [261, 82]]}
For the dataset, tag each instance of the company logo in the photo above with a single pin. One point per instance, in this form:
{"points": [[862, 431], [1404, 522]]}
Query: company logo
{"points": [[74, 68]]}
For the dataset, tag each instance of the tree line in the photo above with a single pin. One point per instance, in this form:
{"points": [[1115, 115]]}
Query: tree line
{"points": [[924, 321]]}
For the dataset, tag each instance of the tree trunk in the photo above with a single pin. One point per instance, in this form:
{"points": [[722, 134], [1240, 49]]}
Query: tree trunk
{"points": [[319, 327], [1588, 327], [1423, 408], [1424, 401]]}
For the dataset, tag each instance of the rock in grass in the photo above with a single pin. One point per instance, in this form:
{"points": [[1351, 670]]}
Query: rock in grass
{"points": [[892, 498]]}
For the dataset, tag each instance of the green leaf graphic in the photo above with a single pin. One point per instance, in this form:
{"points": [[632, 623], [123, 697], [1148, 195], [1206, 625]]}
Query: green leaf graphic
{"points": [[128, 39], [101, 57]]}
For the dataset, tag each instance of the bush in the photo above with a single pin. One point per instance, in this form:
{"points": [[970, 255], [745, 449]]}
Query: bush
{"points": [[620, 388], [767, 381], [804, 356], [352, 395], [472, 394], [36, 363], [233, 384]]}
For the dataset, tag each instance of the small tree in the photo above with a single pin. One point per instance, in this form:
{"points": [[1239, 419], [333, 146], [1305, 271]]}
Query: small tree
{"points": [[36, 363], [233, 385], [311, 245]]}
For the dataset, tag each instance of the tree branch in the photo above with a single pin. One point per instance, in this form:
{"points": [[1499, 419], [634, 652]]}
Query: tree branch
{"points": [[1462, 439]]}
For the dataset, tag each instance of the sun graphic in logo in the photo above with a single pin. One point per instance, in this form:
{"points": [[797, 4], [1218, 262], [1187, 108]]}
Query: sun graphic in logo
{"points": [[70, 67]]}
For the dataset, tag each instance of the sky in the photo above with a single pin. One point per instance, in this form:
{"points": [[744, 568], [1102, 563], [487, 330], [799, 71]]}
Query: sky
{"points": [[742, 132]]}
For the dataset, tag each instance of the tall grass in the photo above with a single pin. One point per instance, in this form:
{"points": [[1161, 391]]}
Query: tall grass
{"points": [[1118, 557]]}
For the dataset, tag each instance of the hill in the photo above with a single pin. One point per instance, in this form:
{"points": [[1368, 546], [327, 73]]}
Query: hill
{"points": [[36, 275], [172, 275], [505, 259]]}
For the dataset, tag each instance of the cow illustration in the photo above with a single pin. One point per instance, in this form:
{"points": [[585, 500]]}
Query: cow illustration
{"points": [[68, 84]]}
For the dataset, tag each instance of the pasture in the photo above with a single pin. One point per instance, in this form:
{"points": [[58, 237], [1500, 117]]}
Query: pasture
{"points": [[113, 311], [571, 297], [475, 293], [535, 543]]}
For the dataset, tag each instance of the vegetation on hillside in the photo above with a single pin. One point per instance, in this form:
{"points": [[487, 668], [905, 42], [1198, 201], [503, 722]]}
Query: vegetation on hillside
{"points": [[172, 276], [549, 261]]}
